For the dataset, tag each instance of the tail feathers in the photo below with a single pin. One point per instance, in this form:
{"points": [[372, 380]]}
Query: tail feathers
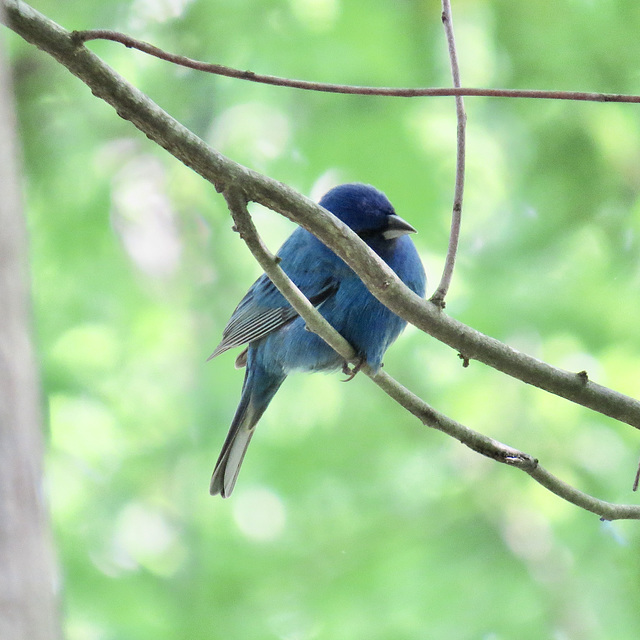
{"points": [[227, 468], [254, 401]]}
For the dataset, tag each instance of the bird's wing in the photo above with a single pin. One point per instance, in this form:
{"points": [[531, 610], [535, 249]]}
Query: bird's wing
{"points": [[264, 309]]}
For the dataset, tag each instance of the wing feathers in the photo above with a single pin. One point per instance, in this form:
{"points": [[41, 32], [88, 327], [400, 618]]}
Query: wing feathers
{"points": [[250, 322]]}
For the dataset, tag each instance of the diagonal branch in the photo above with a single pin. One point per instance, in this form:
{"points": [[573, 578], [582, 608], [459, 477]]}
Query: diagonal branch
{"points": [[478, 442], [237, 204], [456, 214], [222, 172]]}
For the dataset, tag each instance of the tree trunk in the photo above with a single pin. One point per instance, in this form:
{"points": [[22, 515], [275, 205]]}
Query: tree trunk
{"points": [[28, 602]]}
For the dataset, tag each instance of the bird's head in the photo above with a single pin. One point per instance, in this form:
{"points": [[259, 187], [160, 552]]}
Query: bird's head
{"points": [[366, 210]]}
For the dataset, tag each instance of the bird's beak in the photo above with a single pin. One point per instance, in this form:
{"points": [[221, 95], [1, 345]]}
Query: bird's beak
{"points": [[397, 227]]}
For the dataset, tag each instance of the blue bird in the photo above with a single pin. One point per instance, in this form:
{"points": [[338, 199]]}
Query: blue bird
{"points": [[278, 342]]}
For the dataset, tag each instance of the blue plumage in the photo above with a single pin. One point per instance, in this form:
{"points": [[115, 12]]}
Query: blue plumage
{"points": [[278, 342]]}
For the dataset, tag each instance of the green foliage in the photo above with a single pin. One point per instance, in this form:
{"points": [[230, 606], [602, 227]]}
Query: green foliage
{"points": [[350, 519]]}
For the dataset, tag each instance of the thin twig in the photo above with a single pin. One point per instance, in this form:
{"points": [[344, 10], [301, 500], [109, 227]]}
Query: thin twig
{"points": [[456, 213], [237, 203], [80, 37]]}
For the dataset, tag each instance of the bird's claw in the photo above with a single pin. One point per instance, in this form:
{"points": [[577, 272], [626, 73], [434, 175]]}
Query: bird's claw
{"points": [[350, 372]]}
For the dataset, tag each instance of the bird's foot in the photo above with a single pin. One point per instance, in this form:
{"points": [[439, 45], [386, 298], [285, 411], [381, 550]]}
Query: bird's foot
{"points": [[350, 372]]}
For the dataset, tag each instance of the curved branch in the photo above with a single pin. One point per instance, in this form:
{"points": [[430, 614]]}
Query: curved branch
{"points": [[478, 442], [456, 214], [134, 106], [325, 87]]}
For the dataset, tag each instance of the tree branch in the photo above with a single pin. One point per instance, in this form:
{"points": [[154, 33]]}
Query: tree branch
{"points": [[237, 203], [478, 442], [456, 214], [224, 173], [391, 92]]}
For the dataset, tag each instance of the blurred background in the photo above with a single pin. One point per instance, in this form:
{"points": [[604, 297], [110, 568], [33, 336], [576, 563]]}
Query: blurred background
{"points": [[350, 519]]}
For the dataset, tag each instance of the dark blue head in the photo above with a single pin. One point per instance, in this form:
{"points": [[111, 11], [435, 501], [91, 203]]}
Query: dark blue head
{"points": [[367, 211]]}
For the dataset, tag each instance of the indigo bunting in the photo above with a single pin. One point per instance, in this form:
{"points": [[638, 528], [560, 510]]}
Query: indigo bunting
{"points": [[278, 342]]}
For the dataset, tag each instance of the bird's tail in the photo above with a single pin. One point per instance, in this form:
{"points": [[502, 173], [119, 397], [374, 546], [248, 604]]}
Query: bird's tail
{"points": [[257, 391]]}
